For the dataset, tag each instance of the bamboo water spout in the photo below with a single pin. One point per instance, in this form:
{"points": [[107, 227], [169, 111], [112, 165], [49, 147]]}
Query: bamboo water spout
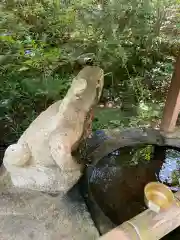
{"points": [[148, 225]]}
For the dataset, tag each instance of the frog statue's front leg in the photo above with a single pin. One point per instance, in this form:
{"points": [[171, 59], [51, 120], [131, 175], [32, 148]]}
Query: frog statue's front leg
{"points": [[42, 158]]}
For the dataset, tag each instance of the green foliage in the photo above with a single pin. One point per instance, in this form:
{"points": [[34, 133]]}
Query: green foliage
{"points": [[22, 99], [142, 154], [132, 156], [175, 177], [41, 40]]}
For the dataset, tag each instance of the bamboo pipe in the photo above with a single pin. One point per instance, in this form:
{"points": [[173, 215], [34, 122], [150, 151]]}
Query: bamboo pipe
{"points": [[148, 225]]}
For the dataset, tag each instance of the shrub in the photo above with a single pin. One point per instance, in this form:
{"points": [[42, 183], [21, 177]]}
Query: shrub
{"points": [[41, 40]]}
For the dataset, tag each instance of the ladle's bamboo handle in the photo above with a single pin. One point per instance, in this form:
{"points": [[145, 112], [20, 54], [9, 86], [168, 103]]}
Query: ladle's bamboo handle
{"points": [[148, 225]]}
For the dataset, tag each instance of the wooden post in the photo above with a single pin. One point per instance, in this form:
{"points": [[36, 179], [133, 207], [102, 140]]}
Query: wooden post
{"points": [[148, 225], [172, 106]]}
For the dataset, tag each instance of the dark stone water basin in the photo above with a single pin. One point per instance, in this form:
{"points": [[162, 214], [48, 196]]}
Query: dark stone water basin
{"points": [[118, 188], [116, 182]]}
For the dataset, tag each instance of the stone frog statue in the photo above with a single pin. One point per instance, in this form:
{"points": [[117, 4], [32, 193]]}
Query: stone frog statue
{"points": [[42, 158]]}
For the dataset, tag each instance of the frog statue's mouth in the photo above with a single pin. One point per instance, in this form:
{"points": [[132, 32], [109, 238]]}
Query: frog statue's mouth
{"points": [[119, 165]]}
